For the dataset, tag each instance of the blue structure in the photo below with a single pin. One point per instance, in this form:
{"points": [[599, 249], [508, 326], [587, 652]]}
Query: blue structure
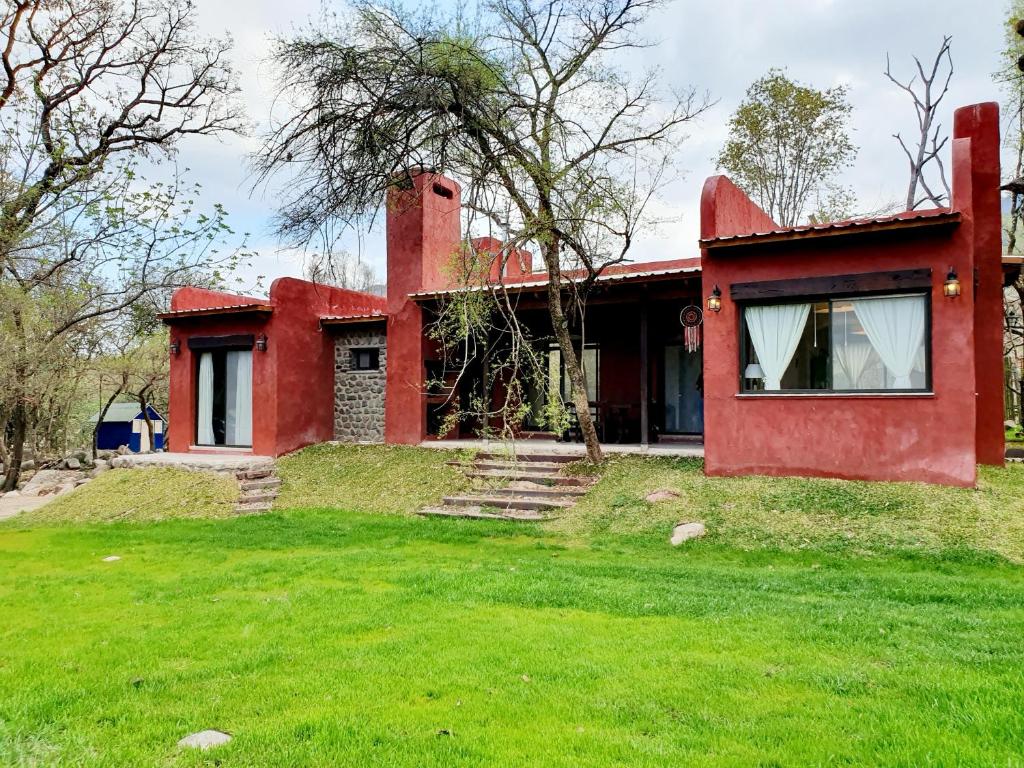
{"points": [[124, 424]]}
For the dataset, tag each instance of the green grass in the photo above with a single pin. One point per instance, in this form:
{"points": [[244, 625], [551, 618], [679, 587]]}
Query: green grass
{"points": [[799, 513], [142, 495], [367, 478], [819, 623]]}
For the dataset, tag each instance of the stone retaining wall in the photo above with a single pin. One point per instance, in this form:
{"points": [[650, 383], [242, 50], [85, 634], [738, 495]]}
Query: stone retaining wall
{"points": [[359, 395]]}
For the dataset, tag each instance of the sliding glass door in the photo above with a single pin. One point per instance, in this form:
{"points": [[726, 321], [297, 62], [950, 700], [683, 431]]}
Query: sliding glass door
{"points": [[224, 398]]}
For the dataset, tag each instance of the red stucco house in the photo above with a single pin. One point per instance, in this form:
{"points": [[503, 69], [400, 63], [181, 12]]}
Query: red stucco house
{"points": [[864, 349]]}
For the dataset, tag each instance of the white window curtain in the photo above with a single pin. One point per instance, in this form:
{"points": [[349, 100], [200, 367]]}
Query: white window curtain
{"points": [[238, 400], [853, 357], [204, 415], [775, 332], [895, 328]]}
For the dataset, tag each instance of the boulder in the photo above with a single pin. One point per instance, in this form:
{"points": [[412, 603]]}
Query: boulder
{"points": [[204, 740], [685, 532], [100, 467], [28, 465], [43, 482], [122, 450]]}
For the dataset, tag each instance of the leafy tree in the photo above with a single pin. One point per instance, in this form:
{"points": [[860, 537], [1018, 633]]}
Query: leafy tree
{"points": [[787, 142], [87, 87], [557, 148]]}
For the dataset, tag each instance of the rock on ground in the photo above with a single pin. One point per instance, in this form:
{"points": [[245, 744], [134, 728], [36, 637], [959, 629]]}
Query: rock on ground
{"points": [[685, 532], [204, 740]]}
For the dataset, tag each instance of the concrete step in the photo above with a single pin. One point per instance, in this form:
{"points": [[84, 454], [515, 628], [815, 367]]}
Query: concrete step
{"points": [[556, 492], [257, 497], [254, 474], [477, 513], [251, 509], [533, 467], [262, 483], [546, 458], [546, 479], [505, 502]]}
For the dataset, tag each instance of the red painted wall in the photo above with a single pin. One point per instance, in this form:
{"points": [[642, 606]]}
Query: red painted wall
{"points": [[293, 381], [423, 235], [976, 193], [931, 438]]}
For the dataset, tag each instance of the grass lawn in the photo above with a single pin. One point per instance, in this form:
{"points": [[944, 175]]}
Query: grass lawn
{"points": [[321, 636]]}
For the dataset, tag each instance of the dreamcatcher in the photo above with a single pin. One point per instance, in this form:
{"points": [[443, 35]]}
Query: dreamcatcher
{"points": [[692, 318]]}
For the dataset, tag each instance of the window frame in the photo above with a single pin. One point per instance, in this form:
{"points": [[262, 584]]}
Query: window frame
{"points": [[374, 359], [744, 359], [216, 345]]}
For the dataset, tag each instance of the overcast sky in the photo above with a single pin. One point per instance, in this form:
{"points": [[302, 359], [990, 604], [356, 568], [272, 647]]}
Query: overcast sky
{"points": [[719, 46]]}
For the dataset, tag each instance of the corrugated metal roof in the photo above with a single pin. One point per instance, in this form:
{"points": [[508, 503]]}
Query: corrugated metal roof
{"points": [[541, 282], [896, 221], [222, 310], [119, 412]]}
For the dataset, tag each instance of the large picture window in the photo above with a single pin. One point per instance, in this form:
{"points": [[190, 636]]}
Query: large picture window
{"points": [[869, 344]]}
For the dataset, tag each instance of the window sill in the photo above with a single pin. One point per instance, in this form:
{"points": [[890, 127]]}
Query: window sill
{"points": [[835, 395]]}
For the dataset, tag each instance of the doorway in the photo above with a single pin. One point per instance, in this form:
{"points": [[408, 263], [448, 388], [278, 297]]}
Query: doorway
{"points": [[224, 398], [684, 391]]}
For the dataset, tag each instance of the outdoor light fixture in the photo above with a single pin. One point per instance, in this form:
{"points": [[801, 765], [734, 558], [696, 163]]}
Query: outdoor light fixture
{"points": [[951, 288], [261, 342], [175, 347], [715, 299]]}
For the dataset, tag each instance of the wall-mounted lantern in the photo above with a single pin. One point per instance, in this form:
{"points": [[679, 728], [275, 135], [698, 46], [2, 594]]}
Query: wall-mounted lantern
{"points": [[261, 342], [715, 299], [175, 347], [951, 288]]}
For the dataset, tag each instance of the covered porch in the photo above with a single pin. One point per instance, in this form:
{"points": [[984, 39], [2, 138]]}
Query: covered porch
{"points": [[642, 367], [682, 449]]}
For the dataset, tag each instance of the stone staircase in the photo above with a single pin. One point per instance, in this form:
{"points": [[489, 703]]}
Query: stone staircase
{"points": [[528, 487], [257, 488]]}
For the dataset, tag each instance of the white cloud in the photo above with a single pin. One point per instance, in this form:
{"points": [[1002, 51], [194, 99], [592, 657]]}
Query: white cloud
{"points": [[720, 47]]}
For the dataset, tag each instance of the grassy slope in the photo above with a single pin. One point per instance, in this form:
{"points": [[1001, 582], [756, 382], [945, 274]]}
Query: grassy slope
{"points": [[141, 495], [833, 515], [356, 641], [370, 478]]}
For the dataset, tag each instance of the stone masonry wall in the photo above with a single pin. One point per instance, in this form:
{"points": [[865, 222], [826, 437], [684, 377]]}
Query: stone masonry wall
{"points": [[359, 395]]}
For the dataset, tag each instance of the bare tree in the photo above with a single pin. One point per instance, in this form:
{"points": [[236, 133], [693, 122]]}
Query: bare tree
{"points": [[340, 268], [85, 80], [926, 88], [557, 149]]}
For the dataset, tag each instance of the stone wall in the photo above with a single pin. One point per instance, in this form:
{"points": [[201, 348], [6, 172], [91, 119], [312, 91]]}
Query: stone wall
{"points": [[359, 395]]}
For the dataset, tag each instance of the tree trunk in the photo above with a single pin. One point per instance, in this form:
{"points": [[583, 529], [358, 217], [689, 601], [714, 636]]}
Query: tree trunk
{"points": [[571, 361], [103, 413], [149, 422], [19, 422]]}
